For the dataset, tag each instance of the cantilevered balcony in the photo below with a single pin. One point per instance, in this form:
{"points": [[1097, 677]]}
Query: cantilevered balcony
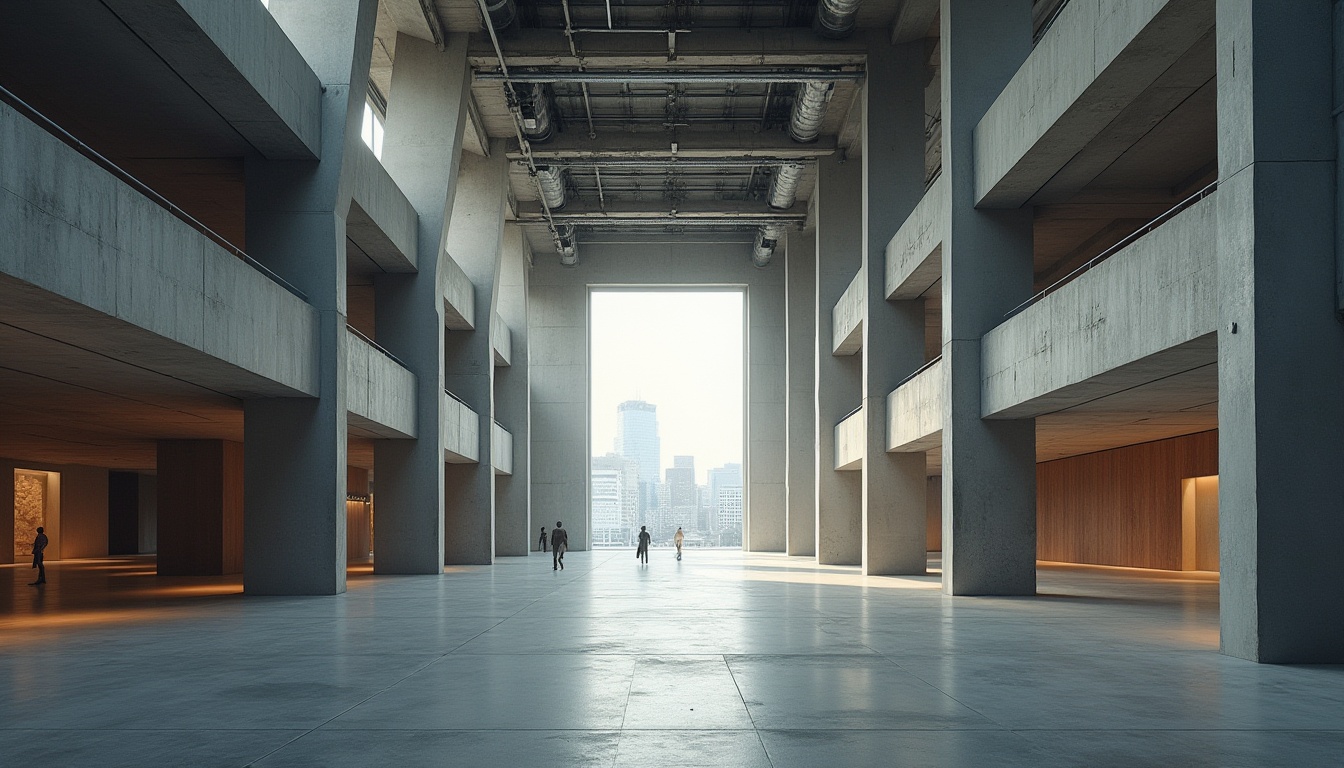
{"points": [[501, 450], [847, 318], [379, 391], [915, 411], [461, 431], [849, 441]]}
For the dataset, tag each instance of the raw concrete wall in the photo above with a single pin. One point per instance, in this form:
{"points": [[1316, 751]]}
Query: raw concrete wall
{"points": [[75, 231], [380, 393], [914, 253], [558, 355], [382, 220], [149, 514], [915, 412], [849, 442], [1155, 295], [1098, 56], [461, 444], [801, 270], [847, 317]]}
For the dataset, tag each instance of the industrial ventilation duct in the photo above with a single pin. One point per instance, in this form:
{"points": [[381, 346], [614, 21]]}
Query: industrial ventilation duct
{"points": [[503, 13], [551, 179], [534, 106], [809, 110], [567, 244], [835, 18], [767, 237], [783, 194]]}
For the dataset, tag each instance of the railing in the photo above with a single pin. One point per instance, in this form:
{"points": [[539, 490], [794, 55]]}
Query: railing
{"points": [[10, 98], [848, 415], [375, 345], [1049, 22], [918, 371], [1126, 242], [458, 399]]}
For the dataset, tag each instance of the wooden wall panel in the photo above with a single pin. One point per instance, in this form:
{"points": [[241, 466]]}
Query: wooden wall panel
{"points": [[933, 519], [358, 525], [1122, 506], [200, 507], [83, 512]]}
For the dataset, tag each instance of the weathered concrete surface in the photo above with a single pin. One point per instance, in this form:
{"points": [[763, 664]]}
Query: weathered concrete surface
{"points": [[915, 412], [379, 392], [849, 443], [847, 317], [1096, 59], [426, 115], [239, 60], [915, 252], [501, 341], [501, 450], [558, 342], [461, 425], [513, 494], [801, 422], [1155, 295], [1280, 345], [187, 307], [382, 221], [459, 297]]}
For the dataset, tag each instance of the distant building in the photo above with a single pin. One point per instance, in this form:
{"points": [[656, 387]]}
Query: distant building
{"points": [[726, 476], [637, 439], [615, 500], [683, 498], [730, 515]]}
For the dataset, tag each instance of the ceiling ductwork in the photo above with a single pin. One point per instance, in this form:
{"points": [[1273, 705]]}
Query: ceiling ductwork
{"points": [[784, 186], [567, 244], [835, 18], [767, 237], [503, 14], [534, 105], [551, 179], [809, 110]]}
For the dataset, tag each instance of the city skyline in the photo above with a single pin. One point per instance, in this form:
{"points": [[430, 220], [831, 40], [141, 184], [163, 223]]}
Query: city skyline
{"points": [[670, 349]]}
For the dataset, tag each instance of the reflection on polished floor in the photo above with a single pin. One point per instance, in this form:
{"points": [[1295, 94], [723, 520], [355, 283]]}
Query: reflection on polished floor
{"points": [[721, 659]]}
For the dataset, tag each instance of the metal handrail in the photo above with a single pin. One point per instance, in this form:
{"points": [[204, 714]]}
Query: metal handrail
{"points": [[918, 371], [1049, 22], [458, 399], [1124, 243], [376, 345], [9, 97], [848, 415]]}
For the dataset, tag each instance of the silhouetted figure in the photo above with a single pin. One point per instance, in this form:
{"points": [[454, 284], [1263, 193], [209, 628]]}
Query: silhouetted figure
{"points": [[642, 552], [677, 539], [39, 545], [541, 543], [559, 543]]}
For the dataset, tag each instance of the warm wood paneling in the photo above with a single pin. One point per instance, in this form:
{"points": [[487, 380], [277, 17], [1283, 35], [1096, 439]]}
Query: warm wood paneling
{"points": [[358, 525], [1122, 506], [933, 518], [83, 512], [200, 507]]}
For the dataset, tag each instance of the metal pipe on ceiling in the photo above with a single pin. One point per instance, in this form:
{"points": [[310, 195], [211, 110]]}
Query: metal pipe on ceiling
{"points": [[835, 18], [535, 107], [670, 162], [784, 186], [501, 13], [823, 77], [551, 179], [663, 219], [809, 111], [763, 249]]}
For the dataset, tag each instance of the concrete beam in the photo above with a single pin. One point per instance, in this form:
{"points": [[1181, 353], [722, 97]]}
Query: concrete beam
{"points": [[239, 60], [663, 211], [1156, 296], [914, 20], [696, 48], [577, 145]]}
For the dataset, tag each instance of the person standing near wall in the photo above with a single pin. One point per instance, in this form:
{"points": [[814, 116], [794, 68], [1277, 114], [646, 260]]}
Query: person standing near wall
{"points": [[677, 539], [541, 543], [39, 546], [642, 551], [559, 543]]}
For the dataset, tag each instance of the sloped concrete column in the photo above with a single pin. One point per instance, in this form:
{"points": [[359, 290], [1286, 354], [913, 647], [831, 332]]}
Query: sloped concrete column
{"points": [[295, 456], [475, 235], [801, 311], [513, 522], [422, 147], [839, 379], [893, 331], [989, 467], [1280, 346]]}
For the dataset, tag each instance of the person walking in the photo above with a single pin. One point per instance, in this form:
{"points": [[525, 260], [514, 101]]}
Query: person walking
{"points": [[541, 543], [642, 552], [559, 543], [680, 537], [39, 545]]}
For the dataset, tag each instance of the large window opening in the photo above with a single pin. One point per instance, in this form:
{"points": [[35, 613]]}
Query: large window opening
{"points": [[667, 393]]}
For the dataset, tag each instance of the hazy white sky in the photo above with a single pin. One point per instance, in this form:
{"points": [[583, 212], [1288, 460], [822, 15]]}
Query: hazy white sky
{"points": [[680, 350]]}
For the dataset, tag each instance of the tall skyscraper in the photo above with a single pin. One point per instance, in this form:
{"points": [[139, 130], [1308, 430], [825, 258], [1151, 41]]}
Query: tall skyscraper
{"points": [[637, 439], [615, 500]]}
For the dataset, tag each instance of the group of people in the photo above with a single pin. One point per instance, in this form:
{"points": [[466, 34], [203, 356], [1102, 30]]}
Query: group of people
{"points": [[559, 543]]}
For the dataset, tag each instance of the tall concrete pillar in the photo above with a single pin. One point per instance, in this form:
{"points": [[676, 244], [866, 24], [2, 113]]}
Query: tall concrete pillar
{"points": [[422, 145], [1280, 346], [764, 513], [801, 318], [475, 235], [893, 331], [513, 521], [989, 467], [839, 379], [296, 447], [200, 505]]}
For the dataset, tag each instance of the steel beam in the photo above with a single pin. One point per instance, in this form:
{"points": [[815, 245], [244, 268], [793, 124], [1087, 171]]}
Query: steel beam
{"points": [[712, 76], [718, 213], [773, 146], [624, 47]]}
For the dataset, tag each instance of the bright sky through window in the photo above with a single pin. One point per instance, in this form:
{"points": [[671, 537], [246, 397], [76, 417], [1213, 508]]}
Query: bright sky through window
{"points": [[681, 350], [372, 132]]}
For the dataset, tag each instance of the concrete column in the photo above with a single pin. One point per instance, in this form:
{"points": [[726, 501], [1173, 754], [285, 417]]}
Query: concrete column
{"points": [[763, 523], [839, 379], [801, 318], [200, 507], [989, 467], [513, 521], [422, 145], [1280, 346], [893, 332], [296, 447], [475, 235]]}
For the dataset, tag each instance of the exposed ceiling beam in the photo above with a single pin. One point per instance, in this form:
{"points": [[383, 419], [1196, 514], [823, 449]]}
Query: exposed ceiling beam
{"points": [[575, 145], [681, 75], [706, 48], [717, 212], [913, 20], [672, 163]]}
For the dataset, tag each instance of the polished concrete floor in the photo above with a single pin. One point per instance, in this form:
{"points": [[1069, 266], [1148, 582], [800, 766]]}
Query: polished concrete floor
{"points": [[721, 659]]}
